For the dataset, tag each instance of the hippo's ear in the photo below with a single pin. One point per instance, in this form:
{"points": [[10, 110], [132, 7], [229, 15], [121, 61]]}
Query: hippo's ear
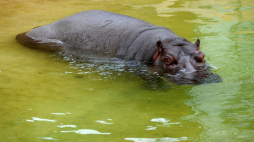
{"points": [[197, 44], [159, 46]]}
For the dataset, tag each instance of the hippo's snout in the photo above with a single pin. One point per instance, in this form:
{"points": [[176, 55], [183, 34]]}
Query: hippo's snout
{"points": [[186, 64], [201, 75]]}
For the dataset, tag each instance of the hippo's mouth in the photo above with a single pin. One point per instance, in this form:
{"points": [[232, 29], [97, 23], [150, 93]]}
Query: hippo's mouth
{"points": [[200, 76]]}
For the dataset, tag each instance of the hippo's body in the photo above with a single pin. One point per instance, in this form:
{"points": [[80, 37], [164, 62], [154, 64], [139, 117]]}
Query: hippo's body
{"points": [[124, 36]]}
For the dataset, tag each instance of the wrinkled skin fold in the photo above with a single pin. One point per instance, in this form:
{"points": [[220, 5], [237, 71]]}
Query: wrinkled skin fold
{"points": [[127, 38]]}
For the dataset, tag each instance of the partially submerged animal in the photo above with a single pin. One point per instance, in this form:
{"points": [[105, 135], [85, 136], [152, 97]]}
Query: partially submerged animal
{"points": [[127, 38]]}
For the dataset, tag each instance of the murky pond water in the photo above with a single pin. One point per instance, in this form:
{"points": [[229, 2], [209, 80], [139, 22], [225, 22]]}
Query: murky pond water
{"points": [[45, 97]]}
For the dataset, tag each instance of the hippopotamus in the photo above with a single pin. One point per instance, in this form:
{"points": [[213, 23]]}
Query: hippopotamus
{"points": [[127, 38]]}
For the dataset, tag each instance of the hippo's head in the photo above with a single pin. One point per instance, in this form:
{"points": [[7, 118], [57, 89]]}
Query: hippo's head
{"points": [[183, 62]]}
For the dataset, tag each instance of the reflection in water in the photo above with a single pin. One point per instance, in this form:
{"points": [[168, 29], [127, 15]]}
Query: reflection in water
{"points": [[151, 128], [59, 113], [164, 121], [161, 8], [157, 139], [86, 132], [103, 122], [66, 126], [47, 138], [40, 119]]}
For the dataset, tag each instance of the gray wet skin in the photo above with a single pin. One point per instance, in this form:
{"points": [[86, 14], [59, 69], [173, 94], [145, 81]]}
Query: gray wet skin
{"points": [[125, 37]]}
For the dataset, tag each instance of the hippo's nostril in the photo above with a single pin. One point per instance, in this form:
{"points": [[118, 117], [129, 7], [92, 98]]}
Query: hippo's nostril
{"points": [[199, 56]]}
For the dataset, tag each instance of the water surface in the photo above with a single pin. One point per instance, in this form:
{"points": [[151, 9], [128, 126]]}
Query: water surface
{"points": [[45, 97]]}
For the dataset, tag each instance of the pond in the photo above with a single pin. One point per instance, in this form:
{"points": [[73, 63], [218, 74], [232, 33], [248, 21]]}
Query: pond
{"points": [[46, 97]]}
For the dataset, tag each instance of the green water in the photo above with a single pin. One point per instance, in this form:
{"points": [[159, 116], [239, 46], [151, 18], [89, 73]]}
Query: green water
{"points": [[43, 98]]}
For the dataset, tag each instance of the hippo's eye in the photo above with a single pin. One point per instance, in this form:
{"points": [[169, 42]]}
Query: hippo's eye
{"points": [[168, 60]]}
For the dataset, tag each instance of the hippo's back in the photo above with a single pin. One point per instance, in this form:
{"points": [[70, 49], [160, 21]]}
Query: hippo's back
{"points": [[95, 29]]}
